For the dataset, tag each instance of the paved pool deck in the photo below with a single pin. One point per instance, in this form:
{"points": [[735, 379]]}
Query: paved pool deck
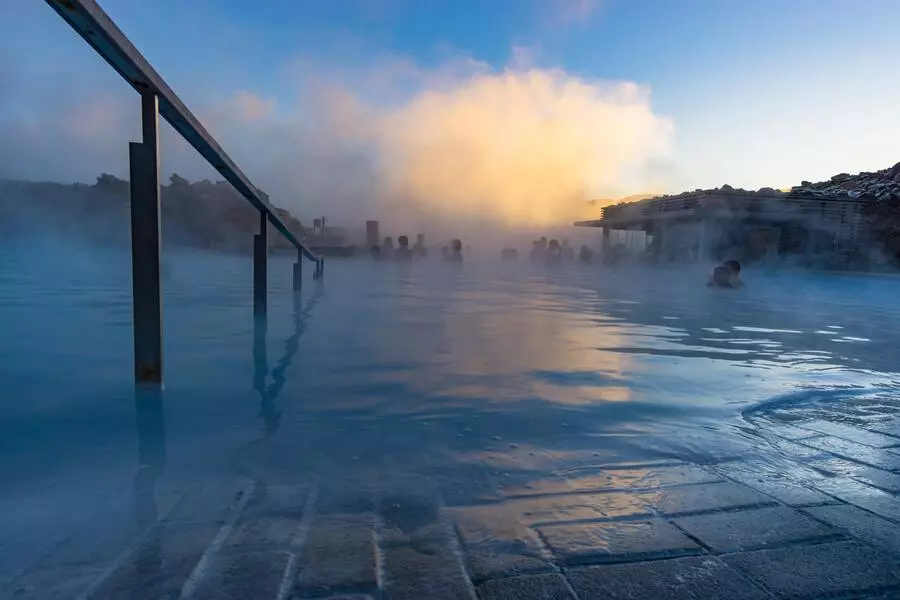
{"points": [[815, 514]]}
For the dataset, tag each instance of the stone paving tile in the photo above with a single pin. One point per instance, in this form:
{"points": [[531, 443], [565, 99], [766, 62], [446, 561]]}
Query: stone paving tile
{"points": [[811, 571], [694, 578], [550, 586], [796, 450], [863, 496], [616, 479], [424, 562], [161, 565], [347, 496], [885, 480], [246, 574], [854, 434], [253, 561], [210, 502], [339, 555], [703, 498], [764, 479], [790, 432], [263, 532], [282, 501], [895, 595], [578, 507], [753, 529], [617, 541], [875, 457], [891, 427], [860, 524], [496, 543]]}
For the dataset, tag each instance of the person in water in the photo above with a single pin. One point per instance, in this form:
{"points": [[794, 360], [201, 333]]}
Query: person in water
{"points": [[585, 254], [455, 254], [375, 251], [403, 252], [727, 275], [387, 250], [554, 252], [419, 250]]}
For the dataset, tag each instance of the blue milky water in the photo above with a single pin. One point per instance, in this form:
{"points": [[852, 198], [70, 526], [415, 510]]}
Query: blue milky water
{"points": [[459, 374]]}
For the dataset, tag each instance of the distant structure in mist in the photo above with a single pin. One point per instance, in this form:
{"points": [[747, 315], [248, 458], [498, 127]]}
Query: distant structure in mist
{"points": [[373, 237], [764, 226]]}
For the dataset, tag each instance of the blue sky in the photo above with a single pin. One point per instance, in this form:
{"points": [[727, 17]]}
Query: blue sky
{"points": [[758, 93]]}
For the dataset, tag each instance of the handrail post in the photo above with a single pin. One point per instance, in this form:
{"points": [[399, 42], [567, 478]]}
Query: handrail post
{"points": [[298, 272], [145, 245], [260, 252]]}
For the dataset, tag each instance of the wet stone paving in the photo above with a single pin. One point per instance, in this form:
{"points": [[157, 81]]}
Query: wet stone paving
{"points": [[814, 514]]}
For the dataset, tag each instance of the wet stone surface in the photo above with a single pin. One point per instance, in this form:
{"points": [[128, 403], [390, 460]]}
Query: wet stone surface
{"points": [[881, 458], [497, 544], [618, 541], [884, 480], [339, 554], [835, 569], [535, 587], [859, 524], [753, 529], [871, 499], [705, 498], [851, 433], [574, 508], [780, 486], [695, 578], [891, 427], [795, 521]]}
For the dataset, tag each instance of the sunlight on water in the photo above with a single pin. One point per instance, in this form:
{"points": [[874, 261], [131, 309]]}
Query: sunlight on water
{"points": [[468, 377]]}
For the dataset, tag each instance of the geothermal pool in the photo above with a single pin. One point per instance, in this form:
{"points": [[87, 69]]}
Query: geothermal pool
{"points": [[456, 377]]}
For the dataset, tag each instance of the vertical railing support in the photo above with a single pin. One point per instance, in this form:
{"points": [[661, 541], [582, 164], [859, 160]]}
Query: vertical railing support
{"points": [[146, 245], [260, 266], [298, 272]]}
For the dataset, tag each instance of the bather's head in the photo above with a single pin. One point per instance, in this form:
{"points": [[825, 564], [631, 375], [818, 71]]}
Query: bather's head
{"points": [[734, 265], [403, 241], [456, 246]]}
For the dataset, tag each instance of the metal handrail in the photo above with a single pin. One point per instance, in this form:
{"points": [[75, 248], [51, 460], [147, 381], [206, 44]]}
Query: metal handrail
{"points": [[95, 26]]}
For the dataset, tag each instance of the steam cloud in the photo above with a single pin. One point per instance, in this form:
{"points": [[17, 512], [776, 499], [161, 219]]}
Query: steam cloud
{"points": [[520, 147]]}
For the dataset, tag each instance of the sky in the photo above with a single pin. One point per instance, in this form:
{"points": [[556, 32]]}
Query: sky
{"points": [[511, 110]]}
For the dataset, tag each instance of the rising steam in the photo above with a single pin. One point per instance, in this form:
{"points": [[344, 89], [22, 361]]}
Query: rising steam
{"points": [[520, 148], [389, 140]]}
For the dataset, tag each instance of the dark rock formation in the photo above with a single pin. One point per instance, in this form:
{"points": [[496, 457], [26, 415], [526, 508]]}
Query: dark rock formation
{"points": [[879, 185], [200, 214]]}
